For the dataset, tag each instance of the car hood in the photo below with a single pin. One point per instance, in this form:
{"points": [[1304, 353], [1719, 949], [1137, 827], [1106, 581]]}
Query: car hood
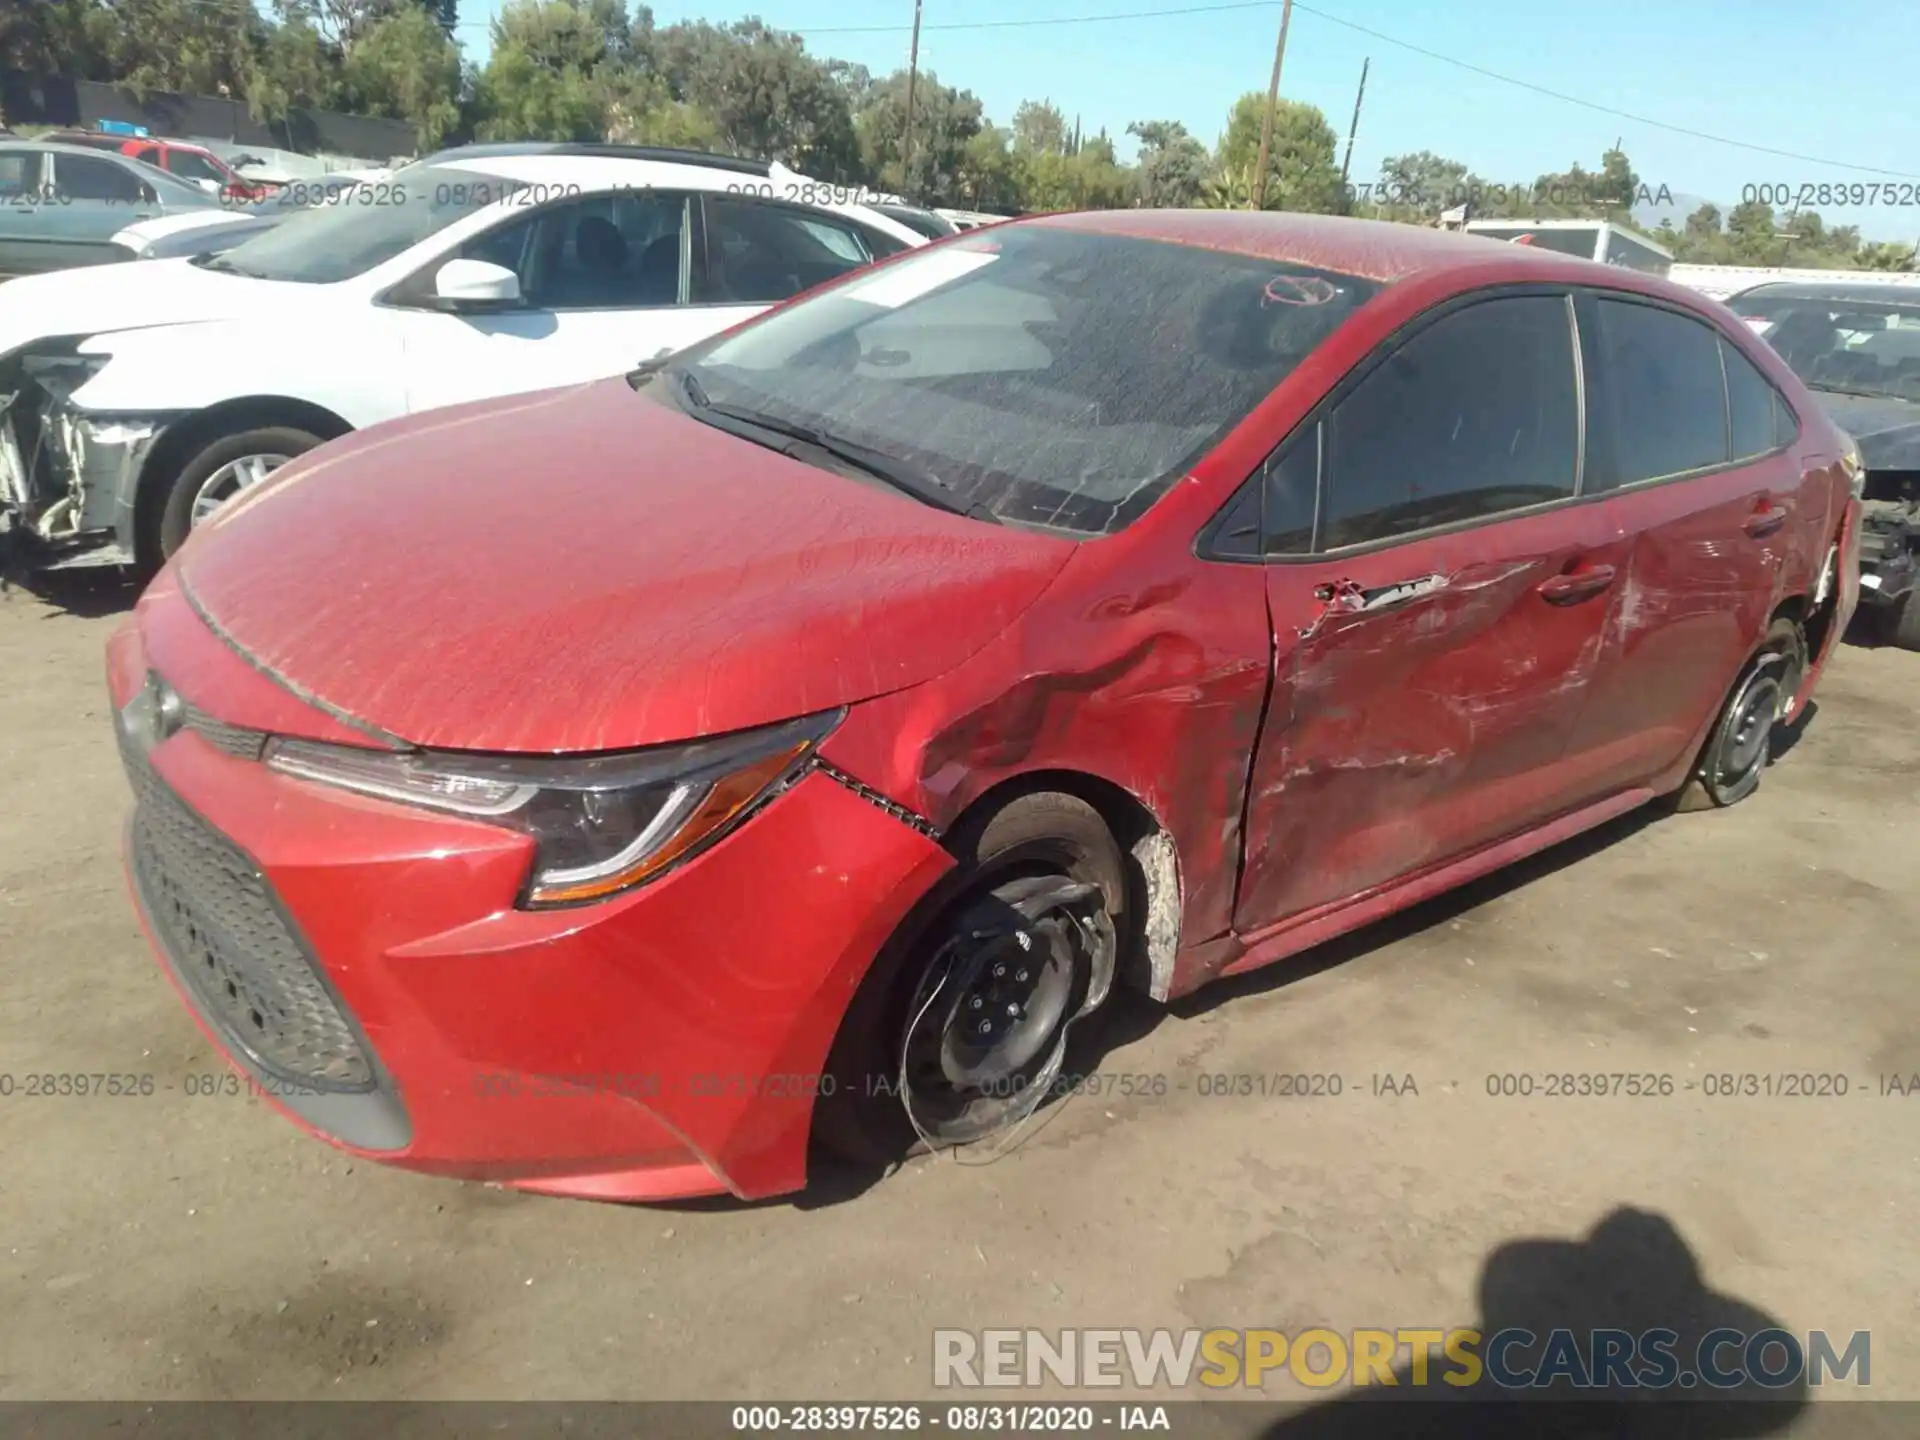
{"points": [[589, 569], [1886, 429], [96, 299]]}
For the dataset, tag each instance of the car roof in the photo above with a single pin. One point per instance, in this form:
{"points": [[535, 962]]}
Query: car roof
{"points": [[145, 170], [1379, 250]]}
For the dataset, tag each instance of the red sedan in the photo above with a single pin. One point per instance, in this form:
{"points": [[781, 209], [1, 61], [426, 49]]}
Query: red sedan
{"points": [[611, 791]]}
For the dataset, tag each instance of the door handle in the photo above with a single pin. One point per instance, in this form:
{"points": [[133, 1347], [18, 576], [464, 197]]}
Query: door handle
{"points": [[1766, 519], [1576, 585], [1351, 596]]}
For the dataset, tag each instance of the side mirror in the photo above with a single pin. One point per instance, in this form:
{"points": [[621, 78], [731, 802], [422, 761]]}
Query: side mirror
{"points": [[476, 285], [148, 195]]}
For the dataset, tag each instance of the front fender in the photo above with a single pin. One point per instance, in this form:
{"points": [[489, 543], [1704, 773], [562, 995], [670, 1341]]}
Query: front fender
{"points": [[350, 368]]}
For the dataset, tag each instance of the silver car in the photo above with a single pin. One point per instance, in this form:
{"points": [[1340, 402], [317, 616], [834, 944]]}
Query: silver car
{"points": [[61, 205]]}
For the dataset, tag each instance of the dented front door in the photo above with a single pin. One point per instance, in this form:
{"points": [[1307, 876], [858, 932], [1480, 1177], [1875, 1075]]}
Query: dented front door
{"points": [[1423, 700]]}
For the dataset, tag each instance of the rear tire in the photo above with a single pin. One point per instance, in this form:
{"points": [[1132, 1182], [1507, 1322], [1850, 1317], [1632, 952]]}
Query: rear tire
{"points": [[1031, 919], [1740, 746], [236, 462], [1905, 626]]}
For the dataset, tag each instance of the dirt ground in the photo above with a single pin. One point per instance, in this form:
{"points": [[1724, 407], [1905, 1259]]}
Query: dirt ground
{"points": [[181, 1246]]}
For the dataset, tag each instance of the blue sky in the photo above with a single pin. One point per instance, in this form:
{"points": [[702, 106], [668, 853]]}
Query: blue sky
{"points": [[1795, 78]]}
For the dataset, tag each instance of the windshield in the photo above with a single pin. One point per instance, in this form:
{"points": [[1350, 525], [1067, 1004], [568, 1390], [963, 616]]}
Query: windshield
{"points": [[1840, 339], [343, 228], [1051, 376]]}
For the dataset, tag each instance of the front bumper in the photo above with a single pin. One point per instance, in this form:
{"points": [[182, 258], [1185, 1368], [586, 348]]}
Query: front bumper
{"points": [[70, 480], [364, 964]]}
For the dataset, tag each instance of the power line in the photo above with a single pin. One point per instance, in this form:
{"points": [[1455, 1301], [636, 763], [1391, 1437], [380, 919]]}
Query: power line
{"points": [[1387, 39], [1224, 6]]}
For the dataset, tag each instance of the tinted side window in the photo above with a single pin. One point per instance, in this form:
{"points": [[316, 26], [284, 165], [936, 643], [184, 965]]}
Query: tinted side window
{"points": [[758, 254], [603, 252], [1477, 414], [82, 177], [1786, 429], [19, 172], [1669, 402], [1292, 480], [1750, 402]]}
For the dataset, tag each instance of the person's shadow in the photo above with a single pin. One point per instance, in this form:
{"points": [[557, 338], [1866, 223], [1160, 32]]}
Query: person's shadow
{"points": [[1634, 1274]]}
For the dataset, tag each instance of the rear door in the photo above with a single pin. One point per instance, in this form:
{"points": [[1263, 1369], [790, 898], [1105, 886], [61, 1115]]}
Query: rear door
{"points": [[23, 195], [94, 198], [756, 253], [1439, 596], [1688, 440]]}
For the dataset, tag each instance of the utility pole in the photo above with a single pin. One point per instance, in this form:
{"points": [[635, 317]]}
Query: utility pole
{"points": [[913, 74], [1354, 128], [1273, 99]]}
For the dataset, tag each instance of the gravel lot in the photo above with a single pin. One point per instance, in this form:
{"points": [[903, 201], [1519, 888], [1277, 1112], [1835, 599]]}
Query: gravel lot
{"points": [[186, 1246]]}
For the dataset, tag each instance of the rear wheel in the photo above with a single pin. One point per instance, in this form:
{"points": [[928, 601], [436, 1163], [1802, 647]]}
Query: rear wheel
{"points": [[959, 1032], [1905, 628], [1740, 747], [220, 472]]}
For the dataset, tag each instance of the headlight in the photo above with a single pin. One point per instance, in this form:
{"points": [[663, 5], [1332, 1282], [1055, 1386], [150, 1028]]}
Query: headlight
{"points": [[602, 824], [59, 369]]}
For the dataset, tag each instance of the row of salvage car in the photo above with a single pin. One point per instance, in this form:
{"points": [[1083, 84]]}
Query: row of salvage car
{"points": [[139, 398]]}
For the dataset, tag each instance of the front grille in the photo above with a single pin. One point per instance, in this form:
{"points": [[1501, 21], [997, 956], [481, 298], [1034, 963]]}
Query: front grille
{"points": [[235, 740], [213, 911]]}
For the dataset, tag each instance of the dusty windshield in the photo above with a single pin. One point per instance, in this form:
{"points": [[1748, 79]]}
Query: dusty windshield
{"points": [[1841, 340], [1048, 375], [363, 225]]}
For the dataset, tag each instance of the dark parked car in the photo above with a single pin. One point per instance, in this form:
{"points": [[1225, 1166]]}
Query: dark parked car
{"points": [[1857, 347], [861, 696]]}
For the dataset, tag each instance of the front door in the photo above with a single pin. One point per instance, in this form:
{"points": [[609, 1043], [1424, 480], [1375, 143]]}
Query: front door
{"points": [[604, 281], [1437, 611]]}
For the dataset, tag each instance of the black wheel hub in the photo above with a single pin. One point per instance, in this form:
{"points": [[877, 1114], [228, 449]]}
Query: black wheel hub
{"points": [[986, 1030], [1749, 729]]}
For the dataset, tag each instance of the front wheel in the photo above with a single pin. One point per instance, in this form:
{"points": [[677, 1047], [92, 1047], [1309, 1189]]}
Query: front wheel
{"points": [[959, 1032], [220, 472]]}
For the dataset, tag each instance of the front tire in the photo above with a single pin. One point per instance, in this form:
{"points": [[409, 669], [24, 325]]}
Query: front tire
{"points": [[222, 470], [959, 1031]]}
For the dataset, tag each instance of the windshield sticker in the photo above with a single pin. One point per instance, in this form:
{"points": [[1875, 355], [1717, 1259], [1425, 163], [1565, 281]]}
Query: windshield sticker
{"points": [[1298, 290], [910, 279]]}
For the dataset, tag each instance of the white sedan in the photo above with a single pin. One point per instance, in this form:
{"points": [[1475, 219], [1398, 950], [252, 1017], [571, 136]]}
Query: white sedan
{"points": [[140, 398]]}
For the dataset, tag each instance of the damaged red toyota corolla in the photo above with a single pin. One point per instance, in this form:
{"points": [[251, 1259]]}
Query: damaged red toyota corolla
{"points": [[614, 790]]}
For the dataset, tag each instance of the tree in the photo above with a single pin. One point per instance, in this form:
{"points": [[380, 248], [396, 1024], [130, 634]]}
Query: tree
{"points": [[767, 97], [559, 71], [55, 37], [296, 67], [989, 178], [1417, 186], [945, 123], [1173, 166], [194, 47], [405, 67], [1040, 129], [1301, 171]]}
